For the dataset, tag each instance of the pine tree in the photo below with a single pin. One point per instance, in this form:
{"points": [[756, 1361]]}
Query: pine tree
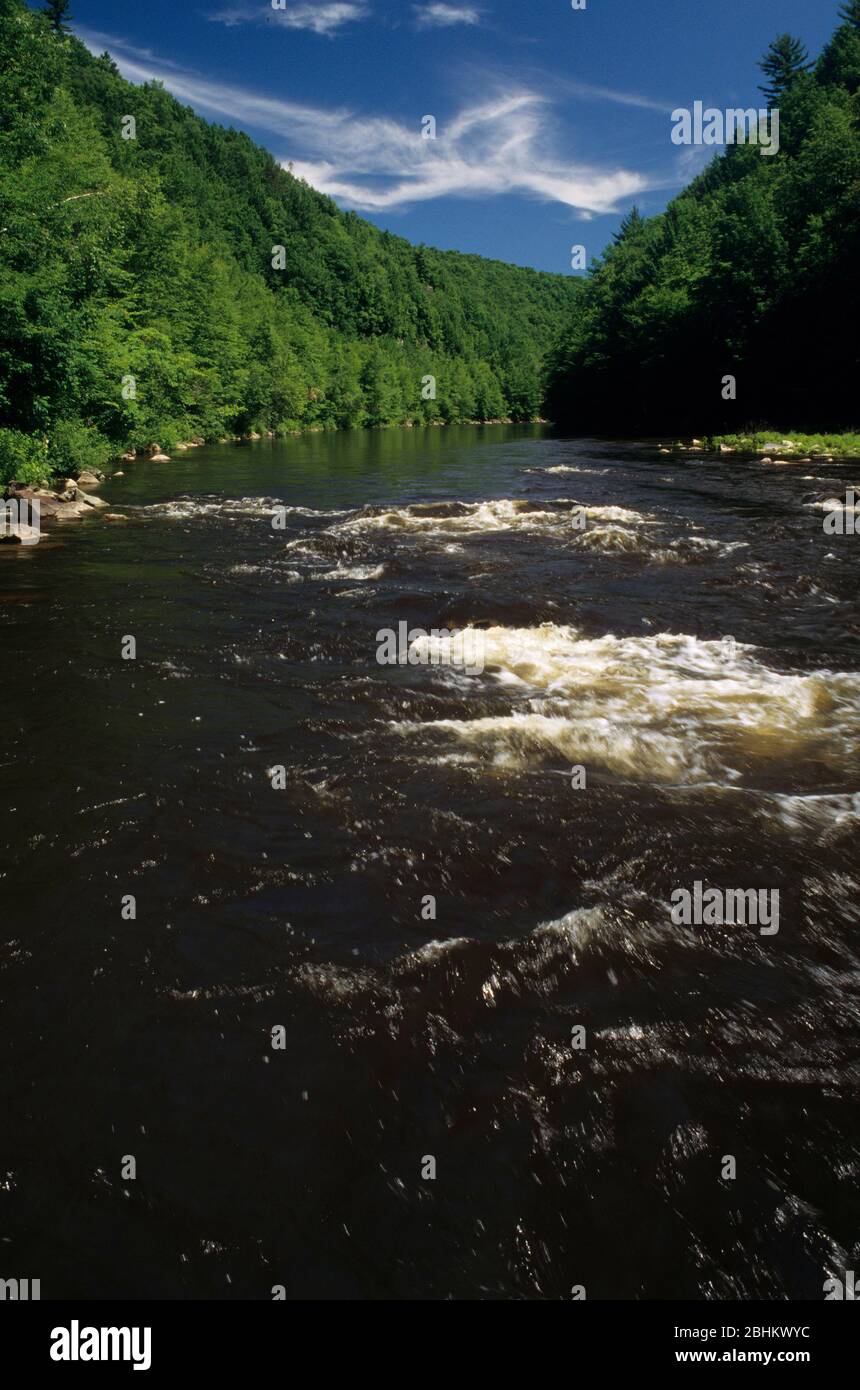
{"points": [[850, 12], [631, 225], [785, 61], [58, 14], [839, 64]]}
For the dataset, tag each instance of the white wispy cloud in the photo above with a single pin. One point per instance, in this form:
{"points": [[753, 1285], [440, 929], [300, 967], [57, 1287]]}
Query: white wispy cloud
{"points": [[591, 93], [439, 16], [324, 18], [504, 143], [98, 42]]}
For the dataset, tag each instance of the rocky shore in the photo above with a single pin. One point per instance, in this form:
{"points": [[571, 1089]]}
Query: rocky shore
{"points": [[67, 501]]}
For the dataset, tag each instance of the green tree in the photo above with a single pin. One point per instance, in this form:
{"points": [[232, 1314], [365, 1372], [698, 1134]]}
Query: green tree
{"points": [[785, 61], [631, 226], [23, 458], [59, 15], [74, 447], [839, 64], [381, 390]]}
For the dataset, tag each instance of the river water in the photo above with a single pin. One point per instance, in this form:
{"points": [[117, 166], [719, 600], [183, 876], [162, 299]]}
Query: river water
{"points": [[694, 649]]}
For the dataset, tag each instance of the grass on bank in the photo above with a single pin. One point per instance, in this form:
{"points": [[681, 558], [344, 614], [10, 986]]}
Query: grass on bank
{"points": [[776, 443]]}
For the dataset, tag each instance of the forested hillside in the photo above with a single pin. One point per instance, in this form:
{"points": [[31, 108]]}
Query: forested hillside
{"points": [[139, 301], [752, 272]]}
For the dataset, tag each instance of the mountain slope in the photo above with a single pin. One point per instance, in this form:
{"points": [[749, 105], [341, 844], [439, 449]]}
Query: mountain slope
{"points": [[180, 282], [752, 273]]}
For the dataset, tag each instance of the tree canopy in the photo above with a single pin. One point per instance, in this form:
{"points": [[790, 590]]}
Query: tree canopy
{"points": [[163, 278], [751, 273]]}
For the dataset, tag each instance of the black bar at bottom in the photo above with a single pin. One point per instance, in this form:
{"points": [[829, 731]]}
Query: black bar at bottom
{"points": [[233, 1338]]}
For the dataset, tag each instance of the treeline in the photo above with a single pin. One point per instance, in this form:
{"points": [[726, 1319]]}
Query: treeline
{"points": [[180, 283], [751, 273]]}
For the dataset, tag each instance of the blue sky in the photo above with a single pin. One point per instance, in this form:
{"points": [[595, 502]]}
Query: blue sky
{"points": [[550, 122]]}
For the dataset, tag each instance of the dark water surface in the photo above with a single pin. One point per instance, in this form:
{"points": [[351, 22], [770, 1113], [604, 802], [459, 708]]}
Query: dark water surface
{"points": [[696, 651]]}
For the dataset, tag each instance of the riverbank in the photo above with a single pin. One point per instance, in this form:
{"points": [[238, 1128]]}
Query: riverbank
{"points": [[27, 510], [822, 446], [68, 498]]}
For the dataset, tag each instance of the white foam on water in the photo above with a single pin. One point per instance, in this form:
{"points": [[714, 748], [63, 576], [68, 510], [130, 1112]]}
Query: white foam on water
{"points": [[189, 508], [610, 529], [622, 514], [820, 811], [668, 708], [358, 572], [571, 468], [615, 538], [506, 514], [575, 926]]}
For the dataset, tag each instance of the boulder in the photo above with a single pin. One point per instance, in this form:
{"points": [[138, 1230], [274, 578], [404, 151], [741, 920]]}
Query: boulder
{"points": [[130, 456], [54, 507], [114, 516], [22, 493], [120, 474], [88, 479], [159, 458], [21, 535], [59, 509]]}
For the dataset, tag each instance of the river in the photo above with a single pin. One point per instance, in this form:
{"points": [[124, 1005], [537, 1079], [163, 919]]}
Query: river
{"points": [[577, 1066]]}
